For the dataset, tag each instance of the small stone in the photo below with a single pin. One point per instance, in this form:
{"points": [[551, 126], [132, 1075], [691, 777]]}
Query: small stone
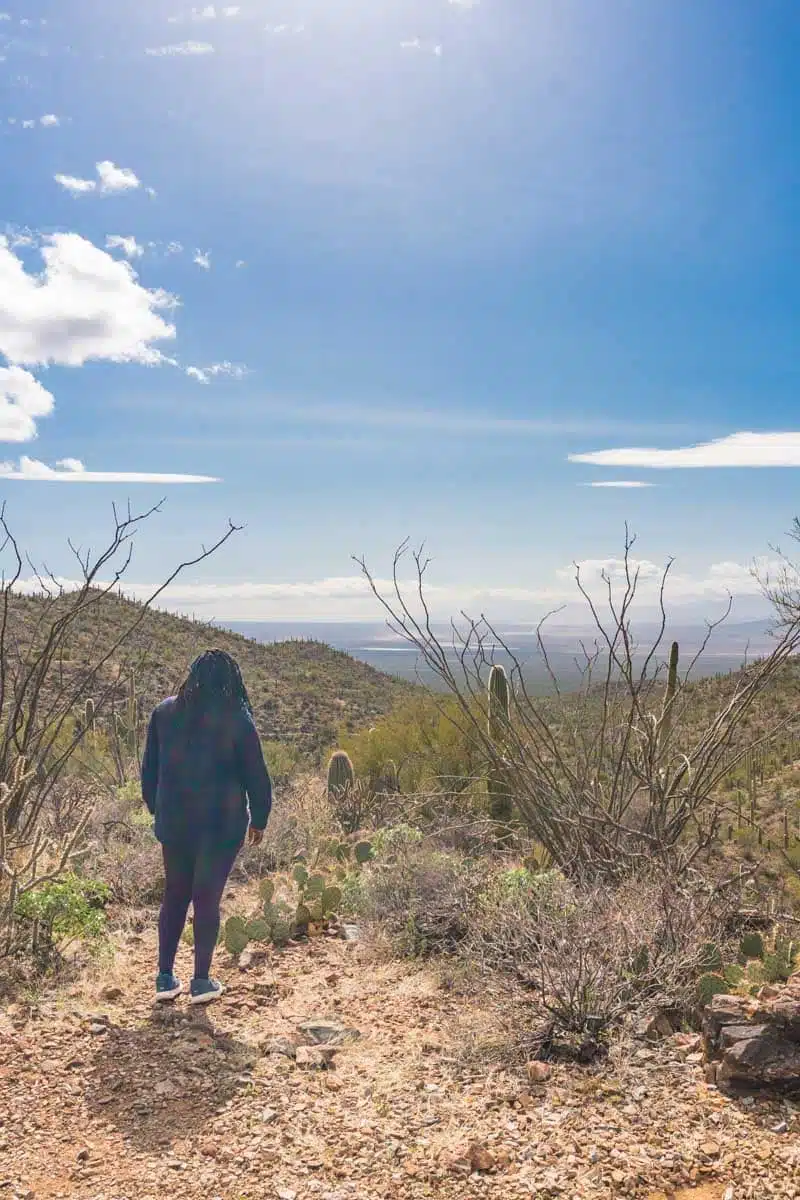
{"points": [[279, 1045], [82, 1155], [481, 1158], [538, 1072], [111, 993], [268, 1115], [96, 1028], [710, 1149], [285, 1194], [314, 1057], [781, 1127]]}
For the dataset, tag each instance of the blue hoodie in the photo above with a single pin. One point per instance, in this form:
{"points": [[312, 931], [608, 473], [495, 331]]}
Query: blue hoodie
{"points": [[199, 773]]}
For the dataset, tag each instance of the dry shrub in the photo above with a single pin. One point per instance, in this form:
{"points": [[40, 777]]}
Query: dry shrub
{"points": [[595, 954], [121, 848], [419, 899], [301, 818]]}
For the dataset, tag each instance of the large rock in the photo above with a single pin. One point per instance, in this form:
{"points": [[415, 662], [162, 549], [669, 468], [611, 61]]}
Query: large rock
{"points": [[755, 1041]]}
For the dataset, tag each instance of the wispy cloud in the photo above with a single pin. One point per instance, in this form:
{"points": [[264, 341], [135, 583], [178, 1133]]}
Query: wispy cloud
{"points": [[180, 49], [49, 120], [736, 450], [464, 3], [280, 30], [128, 245], [423, 47], [111, 181], [72, 470], [203, 259], [206, 374], [618, 483], [76, 186], [348, 597]]}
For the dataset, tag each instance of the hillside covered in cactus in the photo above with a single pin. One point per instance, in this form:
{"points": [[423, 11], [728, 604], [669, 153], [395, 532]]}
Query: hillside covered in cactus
{"points": [[303, 692]]}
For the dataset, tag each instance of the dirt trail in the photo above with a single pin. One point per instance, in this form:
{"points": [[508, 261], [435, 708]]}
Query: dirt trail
{"points": [[103, 1097]]}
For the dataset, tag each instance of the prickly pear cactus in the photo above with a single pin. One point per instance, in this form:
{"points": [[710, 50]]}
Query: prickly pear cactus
{"points": [[266, 889], [751, 946], [362, 852], [709, 986], [331, 899], [258, 930], [236, 938]]}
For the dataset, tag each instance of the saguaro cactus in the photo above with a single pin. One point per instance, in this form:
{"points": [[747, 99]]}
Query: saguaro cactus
{"points": [[669, 697], [500, 804]]}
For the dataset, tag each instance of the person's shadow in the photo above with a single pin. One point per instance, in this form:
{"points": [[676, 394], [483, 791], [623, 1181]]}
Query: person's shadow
{"points": [[167, 1078]]}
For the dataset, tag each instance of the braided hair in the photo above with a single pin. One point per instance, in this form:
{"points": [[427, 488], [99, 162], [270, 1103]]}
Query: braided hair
{"points": [[214, 682]]}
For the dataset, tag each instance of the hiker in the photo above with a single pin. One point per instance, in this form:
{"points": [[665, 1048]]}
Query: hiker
{"points": [[202, 764]]}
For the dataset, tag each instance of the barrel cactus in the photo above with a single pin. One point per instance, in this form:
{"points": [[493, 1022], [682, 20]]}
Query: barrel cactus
{"points": [[341, 775]]}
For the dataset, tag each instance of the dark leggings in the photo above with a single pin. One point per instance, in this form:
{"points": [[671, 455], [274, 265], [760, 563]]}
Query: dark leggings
{"points": [[199, 875]]}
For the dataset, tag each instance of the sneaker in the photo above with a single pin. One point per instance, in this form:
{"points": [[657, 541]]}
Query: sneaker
{"points": [[203, 991], [168, 986]]}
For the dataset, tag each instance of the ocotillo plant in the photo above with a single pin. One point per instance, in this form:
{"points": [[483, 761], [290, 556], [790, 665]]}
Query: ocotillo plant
{"points": [[500, 805]]}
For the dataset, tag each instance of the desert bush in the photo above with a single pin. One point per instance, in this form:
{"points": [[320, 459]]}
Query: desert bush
{"points": [[419, 899], [594, 954], [55, 913], [627, 768]]}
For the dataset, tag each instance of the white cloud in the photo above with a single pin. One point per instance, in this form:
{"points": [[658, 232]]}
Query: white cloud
{"points": [[231, 10], [208, 13], [240, 263], [181, 49], [77, 186], [203, 259], [28, 124], [116, 179], [128, 245], [5, 16], [72, 470], [23, 401], [464, 3], [736, 450], [348, 597], [618, 483], [49, 120], [85, 305], [174, 248], [111, 180], [284, 29], [206, 374]]}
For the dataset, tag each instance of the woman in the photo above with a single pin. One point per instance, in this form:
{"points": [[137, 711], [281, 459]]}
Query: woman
{"points": [[202, 764]]}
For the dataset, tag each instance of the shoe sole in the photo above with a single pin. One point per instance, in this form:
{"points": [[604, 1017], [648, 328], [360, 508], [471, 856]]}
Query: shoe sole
{"points": [[206, 997], [172, 995]]}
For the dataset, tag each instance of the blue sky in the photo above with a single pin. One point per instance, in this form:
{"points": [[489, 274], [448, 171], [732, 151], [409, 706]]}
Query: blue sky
{"points": [[402, 269]]}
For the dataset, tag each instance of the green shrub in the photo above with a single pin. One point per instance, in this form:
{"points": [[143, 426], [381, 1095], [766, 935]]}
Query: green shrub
{"points": [[709, 986], [62, 911]]}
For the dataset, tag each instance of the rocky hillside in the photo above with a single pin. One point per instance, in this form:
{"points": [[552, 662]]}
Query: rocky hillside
{"points": [[302, 692]]}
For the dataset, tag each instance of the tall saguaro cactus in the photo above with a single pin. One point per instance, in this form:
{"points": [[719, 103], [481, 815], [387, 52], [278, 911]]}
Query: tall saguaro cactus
{"points": [[499, 698], [669, 697]]}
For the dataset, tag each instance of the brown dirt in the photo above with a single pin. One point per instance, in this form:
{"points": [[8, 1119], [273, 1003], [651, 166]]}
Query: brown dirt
{"points": [[109, 1099]]}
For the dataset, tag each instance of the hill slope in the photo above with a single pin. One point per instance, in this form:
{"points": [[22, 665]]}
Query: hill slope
{"points": [[302, 692]]}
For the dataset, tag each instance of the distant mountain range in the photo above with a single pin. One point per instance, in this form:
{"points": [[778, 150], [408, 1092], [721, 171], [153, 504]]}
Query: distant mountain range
{"points": [[375, 644]]}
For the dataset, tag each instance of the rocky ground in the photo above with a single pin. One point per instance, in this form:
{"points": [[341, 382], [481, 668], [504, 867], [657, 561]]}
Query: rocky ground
{"points": [[323, 1074]]}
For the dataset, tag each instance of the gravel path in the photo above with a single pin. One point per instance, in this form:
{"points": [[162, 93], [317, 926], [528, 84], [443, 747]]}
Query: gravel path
{"points": [[105, 1098]]}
